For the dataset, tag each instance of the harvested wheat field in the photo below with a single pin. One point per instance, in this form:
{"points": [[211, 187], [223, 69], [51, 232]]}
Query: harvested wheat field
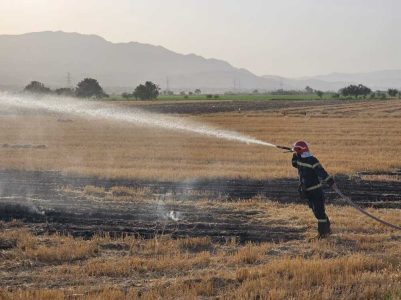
{"points": [[348, 138], [100, 209]]}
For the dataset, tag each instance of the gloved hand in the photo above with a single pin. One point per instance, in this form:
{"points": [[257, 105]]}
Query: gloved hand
{"points": [[301, 192], [330, 182], [294, 160]]}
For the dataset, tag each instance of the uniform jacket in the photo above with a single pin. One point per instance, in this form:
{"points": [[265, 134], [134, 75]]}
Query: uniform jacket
{"points": [[310, 171]]}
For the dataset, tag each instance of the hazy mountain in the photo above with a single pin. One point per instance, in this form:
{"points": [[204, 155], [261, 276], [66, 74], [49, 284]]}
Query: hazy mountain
{"points": [[379, 80], [300, 84], [49, 56], [375, 80]]}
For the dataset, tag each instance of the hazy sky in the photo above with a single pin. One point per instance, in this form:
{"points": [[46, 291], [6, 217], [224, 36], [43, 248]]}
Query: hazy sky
{"points": [[287, 37]]}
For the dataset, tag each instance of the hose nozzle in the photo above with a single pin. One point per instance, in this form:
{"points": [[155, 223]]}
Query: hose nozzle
{"points": [[288, 149]]}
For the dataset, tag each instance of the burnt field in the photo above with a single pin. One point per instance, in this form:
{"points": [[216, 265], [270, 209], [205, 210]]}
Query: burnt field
{"points": [[161, 182], [224, 106], [84, 206]]}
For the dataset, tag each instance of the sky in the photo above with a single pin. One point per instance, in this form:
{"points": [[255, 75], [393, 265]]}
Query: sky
{"points": [[291, 38]]}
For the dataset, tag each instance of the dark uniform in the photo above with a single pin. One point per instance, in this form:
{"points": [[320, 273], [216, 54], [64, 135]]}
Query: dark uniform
{"points": [[310, 173]]}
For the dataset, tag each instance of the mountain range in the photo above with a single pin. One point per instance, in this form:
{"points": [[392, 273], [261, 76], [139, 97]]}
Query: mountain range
{"points": [[60, 59]]}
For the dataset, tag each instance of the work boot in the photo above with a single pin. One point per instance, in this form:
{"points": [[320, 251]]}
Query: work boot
{"points": [[323, 228], [319, 237], [323, 236]]}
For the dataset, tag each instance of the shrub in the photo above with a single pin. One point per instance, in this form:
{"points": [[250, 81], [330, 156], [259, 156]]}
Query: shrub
{"points": [[355, 90], [37, 88], [126, 95], [65, 92]]}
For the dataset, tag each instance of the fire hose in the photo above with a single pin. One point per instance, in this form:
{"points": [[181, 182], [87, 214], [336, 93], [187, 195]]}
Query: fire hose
{"points": [[349, 201]]}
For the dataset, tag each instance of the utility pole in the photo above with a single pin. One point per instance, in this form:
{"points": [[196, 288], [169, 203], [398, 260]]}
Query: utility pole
{"points": [[68, 80], [167, 84]]}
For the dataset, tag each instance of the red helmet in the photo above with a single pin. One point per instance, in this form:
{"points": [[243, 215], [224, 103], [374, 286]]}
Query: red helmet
{"points": [[300, 147]]}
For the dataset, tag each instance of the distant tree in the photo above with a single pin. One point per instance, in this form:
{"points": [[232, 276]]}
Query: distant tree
{"points": [[37, 88], [147, 91], [209, 96], [216, 96], [335, 96], [392, 92], [308, 89], [167, 93], [126, 95], [355, 90], [255, 91], [182, 93], [198, 92], [190, 93], [319, 93], [381, 95], [89, 87], [65, 92]]}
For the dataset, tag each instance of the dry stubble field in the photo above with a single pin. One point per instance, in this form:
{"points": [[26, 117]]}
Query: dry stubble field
{"points": [[360, 261], [347, 138]]}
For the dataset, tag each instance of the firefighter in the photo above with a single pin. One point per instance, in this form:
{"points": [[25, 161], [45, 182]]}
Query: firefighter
{"points": [[311, 173]]}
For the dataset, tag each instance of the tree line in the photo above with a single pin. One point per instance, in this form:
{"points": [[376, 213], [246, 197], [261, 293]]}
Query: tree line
{"points": [[363, 91], [87, 88], [90, 88], [357, 91]]}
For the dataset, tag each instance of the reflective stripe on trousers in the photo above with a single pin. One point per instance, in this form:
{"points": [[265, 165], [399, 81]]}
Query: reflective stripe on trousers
{"points": [[314, 187]]}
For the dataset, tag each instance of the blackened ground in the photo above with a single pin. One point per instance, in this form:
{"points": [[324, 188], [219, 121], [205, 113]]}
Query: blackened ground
{"points": [[206, 107], [41, 199]]}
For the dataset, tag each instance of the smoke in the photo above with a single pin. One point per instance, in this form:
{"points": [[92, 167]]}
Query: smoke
{"points": [[32, 208], [175, 215], [91, 109]]}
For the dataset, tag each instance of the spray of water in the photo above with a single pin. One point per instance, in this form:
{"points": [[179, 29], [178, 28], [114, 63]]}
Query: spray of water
{"points": [[91, 109]]}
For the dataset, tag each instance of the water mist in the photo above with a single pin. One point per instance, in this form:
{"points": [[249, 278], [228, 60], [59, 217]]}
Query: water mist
{"points": [[98, 110]]}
